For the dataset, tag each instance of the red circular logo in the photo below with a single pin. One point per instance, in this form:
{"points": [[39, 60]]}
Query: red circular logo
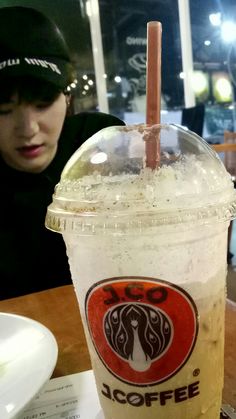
{"points": [[143, 329]]}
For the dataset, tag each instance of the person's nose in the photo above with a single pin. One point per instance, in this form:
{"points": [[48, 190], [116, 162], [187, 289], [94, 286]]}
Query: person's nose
{"points": [[26, 125]]}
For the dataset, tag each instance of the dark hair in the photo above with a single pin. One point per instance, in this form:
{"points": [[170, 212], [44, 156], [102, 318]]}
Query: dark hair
{"points": [[28, 89]]}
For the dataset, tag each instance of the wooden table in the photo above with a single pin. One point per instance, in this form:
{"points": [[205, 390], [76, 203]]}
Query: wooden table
{"points": [[58, 310]]}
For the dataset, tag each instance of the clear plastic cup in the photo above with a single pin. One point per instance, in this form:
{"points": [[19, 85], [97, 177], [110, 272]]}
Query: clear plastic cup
{"points": [[147, 252]]}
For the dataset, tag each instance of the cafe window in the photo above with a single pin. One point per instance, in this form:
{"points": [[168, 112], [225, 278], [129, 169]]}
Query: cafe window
{"points": [[112, 75], [213, 28], [124, 34]]}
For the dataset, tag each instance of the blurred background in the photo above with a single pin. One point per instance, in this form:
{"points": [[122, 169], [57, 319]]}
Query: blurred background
{"points": [[108, 42]]}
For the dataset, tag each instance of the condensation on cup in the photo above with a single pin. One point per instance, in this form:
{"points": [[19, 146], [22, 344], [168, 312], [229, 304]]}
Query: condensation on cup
{"points": [[147, 252]]}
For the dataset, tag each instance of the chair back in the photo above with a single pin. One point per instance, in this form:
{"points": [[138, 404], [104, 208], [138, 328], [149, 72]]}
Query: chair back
{"points": [[193, 118], [228, 147]]}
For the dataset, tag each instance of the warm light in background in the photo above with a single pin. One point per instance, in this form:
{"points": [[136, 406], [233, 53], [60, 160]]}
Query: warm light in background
{"points": [[200, 83], [222, 88], [215, 19], [228, 31], [117, 79]]}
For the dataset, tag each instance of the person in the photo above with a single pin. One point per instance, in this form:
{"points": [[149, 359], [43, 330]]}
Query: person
{"points": [[37, 138]]}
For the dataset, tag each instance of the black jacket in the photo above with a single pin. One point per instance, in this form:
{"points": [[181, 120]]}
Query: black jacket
{"points": [[33, 258]]}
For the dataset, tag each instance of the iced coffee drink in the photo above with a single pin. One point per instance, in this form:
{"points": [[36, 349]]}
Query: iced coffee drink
{"points": [[147, 252]]}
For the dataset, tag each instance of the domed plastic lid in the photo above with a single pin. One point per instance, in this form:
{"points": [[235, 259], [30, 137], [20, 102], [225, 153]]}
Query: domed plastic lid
{"points": [[105, 184]]}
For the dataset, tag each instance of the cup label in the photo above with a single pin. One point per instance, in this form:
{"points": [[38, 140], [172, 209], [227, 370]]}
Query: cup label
{"points": [[143, 329]]}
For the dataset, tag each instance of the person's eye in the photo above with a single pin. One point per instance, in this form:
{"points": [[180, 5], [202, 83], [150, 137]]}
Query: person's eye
{"points": [[6, 107], [43, 104], [5, 110]]}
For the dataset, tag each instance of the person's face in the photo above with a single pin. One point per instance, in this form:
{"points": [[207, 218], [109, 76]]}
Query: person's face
{"points": [[29, 132]]}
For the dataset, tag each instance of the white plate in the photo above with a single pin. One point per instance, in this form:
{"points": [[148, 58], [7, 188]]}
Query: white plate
{"points": [[28, 355]]}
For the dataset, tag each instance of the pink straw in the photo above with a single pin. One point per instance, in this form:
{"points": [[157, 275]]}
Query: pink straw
{"points": [[153, 91]]}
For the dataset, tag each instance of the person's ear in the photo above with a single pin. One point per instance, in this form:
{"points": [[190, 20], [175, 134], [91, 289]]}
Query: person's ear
{"points": [[68, 100], [69, 105]]}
